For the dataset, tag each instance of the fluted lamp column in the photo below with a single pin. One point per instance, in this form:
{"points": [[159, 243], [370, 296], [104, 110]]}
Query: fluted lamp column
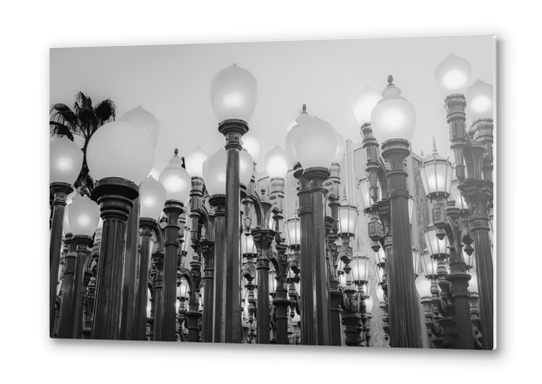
{"points": [[233, 96], [66, 159], [119, 156], [393, 121], [176, 181]]}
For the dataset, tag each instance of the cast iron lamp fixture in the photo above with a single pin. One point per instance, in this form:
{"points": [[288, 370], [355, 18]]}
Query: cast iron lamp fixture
{"points": [[473, 154]]}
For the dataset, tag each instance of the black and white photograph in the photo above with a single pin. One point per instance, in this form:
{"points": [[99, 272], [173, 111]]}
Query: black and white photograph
{"points": [[314, 193]]}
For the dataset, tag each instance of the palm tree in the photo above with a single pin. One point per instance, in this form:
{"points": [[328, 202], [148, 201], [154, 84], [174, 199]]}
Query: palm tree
{"points": [[83, 120]]}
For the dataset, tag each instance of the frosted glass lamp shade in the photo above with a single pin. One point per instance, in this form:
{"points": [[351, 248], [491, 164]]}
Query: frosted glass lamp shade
{"points": [[363, 104], [176, 180], [214, 173], [479, 101], [393, 117], [83, 216], [369, 304], [366, 200], [316, 144], [379, 293], [293, 232], [473, 282], [423, 285], [360, 269], [272, 281], [434, 244], [66, 224], [341, 145], [436, 175], [276, 163], [247, 245], [233, 94], [182, 289], [291, 135], [251, 142], [429, 264], [453, 75], [194, 161], [144, 120], [347, 218], [120, 149], [66, 159], [456, 195], [152, 197], [380, 256], [246, 167]]}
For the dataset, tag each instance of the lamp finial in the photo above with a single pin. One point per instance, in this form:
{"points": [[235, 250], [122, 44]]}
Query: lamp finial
{"points": [[176, 151], [434, 145], [304, 109], [390, 79]]}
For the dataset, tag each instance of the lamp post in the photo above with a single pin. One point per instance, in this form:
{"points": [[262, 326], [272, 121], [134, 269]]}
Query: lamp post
{"points": [[152, 200], [119, 156], [316, 146], [473, 153], [233, 95], [177, 183], [66, 160], [393, 124]]}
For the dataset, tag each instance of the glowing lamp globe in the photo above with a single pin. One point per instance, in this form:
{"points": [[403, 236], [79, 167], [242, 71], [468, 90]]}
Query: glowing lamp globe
{"points": [[246, 167], [365, 194], [152, 196], [176, 180], [182, 289], [360, 269], [453, 75], [423, 285], [66, 159], [434, 244], [292, 134], [120, 149], [369, 304], [379, 293], [393, 117], [479, 101], [144, 120], [194, 161], [436, 175], [347, 218], [66, 222], [214, 173], [363, 104], [251, 142], [473, 282], [341, 145], [233, 94], [276, 163], [316, 144], [83, 216], [293, 232], [247, 245], [429, 264]]}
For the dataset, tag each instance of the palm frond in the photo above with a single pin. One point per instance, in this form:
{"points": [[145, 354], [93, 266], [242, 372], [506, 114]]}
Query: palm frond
{"points": [[60, 130], [105, 111]]}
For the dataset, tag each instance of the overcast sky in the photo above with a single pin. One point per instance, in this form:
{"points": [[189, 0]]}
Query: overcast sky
{"points": [[173, 83]]}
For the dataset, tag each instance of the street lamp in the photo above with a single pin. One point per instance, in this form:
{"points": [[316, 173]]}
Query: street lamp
{"points": [[233, 97], [66, 159], [393, 122], [473, 154], [119, 156], [315, 146]]}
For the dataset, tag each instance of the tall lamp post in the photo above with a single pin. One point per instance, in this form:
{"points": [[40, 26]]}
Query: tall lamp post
{"points": [[119, 156], [233, 95], [393, 122], [66, 160], [473, 153]]}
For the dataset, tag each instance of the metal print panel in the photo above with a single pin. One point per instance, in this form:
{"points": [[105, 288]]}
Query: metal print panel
{"points": [[325, 193]]}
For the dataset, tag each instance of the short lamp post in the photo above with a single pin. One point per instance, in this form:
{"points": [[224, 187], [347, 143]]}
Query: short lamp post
{"points": [[119, 156], [152, 197], [177, 182], [66, 160], [83, 215], [473, 153]]}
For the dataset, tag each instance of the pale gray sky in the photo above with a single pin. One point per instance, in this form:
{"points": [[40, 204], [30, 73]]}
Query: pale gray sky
{"points": [[173, 83]]}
